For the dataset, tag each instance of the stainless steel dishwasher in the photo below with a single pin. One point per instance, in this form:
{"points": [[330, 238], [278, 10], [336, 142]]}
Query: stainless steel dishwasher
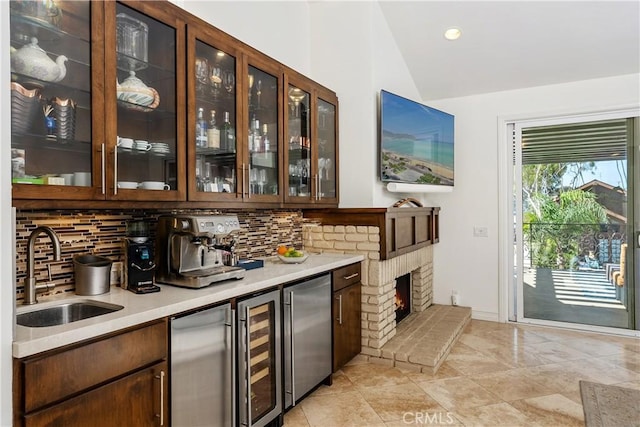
{"points": [[307, 341], [202, 368]]}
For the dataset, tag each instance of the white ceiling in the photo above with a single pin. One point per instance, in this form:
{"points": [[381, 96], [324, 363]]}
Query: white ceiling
{"points": [[508, 45]]}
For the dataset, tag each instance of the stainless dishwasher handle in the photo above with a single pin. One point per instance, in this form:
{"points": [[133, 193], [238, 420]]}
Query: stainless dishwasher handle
{"points": [[232, 353], [248, 343], [340, 309], [351, 276], [293, 356], [161, 415]]}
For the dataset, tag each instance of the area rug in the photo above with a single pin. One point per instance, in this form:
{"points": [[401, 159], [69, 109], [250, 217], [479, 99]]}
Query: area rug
{"points": [[609, 406]]}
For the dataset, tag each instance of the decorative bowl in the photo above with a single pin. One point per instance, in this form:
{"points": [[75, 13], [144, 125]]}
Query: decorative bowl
{"points": [[294, 260]]}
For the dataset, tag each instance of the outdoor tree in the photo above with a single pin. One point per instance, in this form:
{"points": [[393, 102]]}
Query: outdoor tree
{"points": [[555, 227]]}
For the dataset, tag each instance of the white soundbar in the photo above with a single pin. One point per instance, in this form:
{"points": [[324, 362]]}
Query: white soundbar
{"points": [[399, 187]]}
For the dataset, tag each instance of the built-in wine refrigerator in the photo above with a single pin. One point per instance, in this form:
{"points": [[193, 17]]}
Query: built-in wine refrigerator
{"points": [[259, 359]]}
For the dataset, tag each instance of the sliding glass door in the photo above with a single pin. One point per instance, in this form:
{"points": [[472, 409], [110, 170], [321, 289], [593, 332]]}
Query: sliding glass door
{"points": [[575, 220]]}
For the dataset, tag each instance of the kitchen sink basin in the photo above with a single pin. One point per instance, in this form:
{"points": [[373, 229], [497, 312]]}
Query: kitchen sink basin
{"points": [[65, 313]]}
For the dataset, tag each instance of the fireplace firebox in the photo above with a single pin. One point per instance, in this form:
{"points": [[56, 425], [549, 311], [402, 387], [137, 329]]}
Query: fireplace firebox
{"points": [[403, 297]]}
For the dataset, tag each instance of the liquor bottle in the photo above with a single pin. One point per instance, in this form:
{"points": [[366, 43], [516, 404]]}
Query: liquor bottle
{"points": [[265, 139], [201, 129], [228, 134], [252, 141], [257, 138], [213, 132]]}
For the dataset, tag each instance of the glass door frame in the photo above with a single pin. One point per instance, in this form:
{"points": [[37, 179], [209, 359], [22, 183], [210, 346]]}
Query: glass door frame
{"points": [[216, 39], [510, 185], [111, 109], [268, 67]]}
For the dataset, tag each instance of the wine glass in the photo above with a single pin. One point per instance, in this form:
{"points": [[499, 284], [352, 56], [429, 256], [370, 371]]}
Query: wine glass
{"points": [[215, 78], [250, 86], [229, 81], [259, 91], [253, 179], [262, 180], [202, 71]]}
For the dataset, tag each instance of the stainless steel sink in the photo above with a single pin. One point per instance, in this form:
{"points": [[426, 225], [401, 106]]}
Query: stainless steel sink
{"points": [[65, 313]]}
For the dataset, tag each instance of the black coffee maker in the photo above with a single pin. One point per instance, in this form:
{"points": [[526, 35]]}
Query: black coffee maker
{"points": [[139, 265]]}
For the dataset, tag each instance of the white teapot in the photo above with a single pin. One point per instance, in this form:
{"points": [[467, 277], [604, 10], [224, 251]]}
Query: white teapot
{"points": [[32, 61]]}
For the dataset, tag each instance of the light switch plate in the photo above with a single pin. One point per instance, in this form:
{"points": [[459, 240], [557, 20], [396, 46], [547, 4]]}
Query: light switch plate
{"points": [[480, 231]]}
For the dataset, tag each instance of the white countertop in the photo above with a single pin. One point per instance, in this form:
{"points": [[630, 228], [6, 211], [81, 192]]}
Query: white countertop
{"points": [[169, 301]]}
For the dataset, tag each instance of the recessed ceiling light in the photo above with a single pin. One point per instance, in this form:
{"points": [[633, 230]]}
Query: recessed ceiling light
{"points": [[452, 33]]}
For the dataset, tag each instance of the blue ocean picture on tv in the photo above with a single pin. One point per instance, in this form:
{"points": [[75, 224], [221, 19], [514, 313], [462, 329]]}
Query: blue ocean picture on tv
{"points": [[416, 142]]}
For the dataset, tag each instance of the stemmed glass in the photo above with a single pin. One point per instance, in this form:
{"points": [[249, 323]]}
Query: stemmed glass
{"points": [[216, 79], [229, 81], [262, 180], [250, 86], [259, 91], [253, 179]]}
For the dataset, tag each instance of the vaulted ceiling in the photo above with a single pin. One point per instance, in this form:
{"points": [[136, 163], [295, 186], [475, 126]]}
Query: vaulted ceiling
{"points": [[507, 45]]}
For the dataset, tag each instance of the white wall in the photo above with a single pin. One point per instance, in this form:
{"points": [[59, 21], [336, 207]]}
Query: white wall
{"points": [[279, 29], [470, 264], [354, 54], [7, 296]]}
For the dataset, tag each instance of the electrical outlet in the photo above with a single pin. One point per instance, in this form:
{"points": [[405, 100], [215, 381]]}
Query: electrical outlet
{"points": [[454, 298], [480, 231], [116, 273]]}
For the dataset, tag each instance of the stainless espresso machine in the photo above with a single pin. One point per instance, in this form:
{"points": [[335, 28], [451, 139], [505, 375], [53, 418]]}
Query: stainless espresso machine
{"points": [[194, 251]]}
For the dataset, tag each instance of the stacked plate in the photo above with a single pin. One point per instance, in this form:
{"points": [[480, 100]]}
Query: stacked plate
{"points": [[160, 148], [25, 107], [64, 111]]}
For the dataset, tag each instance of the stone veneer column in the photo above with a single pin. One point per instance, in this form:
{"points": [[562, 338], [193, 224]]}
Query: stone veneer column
{"points": [[378, 276]]}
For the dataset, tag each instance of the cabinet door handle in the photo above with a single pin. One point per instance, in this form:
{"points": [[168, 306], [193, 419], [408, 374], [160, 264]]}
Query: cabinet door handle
{"points": [[351, 276], [103, 163], [115, 171], [244, 180], [161, 415], [339, 309], [248, 180]]}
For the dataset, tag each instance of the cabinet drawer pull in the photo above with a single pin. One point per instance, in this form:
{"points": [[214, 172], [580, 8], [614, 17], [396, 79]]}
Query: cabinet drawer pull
{"points": [[161, 415], [340, 309], [103, 177], [351, 276]]}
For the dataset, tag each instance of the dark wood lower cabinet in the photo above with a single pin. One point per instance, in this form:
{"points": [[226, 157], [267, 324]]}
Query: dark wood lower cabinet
{"points": [[346, 309], [120, 379], [139, 399]]}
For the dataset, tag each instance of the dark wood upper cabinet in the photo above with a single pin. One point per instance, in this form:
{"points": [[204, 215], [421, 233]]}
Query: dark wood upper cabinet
{"points": [[156, 107]]}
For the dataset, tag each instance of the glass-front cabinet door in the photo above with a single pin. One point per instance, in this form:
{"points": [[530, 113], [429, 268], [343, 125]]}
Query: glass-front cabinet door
{"points": [[212, 134], [145, 121], [261, 165], [56, 129], [327, 149], [298, 142]]}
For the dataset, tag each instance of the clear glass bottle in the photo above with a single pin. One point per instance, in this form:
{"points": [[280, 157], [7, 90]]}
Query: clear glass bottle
{"points": [[252, 140], [213, 132], [228, 134], [265, 139], [201, 129]]}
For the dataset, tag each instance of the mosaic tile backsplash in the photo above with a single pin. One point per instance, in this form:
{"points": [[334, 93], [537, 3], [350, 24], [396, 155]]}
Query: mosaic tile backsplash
{"points": [[102, 233]]}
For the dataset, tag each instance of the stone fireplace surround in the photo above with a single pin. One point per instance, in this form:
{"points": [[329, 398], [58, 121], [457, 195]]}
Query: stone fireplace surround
{"points": [[436, 326]]}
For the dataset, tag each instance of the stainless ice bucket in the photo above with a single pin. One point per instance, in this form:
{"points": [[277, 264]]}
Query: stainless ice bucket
{"points": [[92, 274]]}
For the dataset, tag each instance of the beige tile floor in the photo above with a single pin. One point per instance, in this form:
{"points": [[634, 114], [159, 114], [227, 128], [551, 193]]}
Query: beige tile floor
{"points": [[496, 375]]}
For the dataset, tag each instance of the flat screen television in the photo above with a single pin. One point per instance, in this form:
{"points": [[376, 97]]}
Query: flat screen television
{"points": [[416, 142]]}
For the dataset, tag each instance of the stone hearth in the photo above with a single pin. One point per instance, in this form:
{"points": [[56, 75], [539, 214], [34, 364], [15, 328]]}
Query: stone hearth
{"points": [[434, 329]]}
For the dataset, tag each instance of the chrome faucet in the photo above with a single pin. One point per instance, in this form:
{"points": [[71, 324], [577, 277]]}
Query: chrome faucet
{"points": [[30, 286]]}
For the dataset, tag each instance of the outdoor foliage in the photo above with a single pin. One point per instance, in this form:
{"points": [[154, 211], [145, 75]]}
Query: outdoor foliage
{"points": [[555, 220]]}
